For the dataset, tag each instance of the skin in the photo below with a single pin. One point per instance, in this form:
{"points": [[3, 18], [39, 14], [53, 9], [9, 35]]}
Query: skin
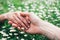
{"points": [[32, 24], [38, 26], [15, 18]]}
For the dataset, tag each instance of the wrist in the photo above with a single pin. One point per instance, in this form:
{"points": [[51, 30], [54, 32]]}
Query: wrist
{"points": [[39, 30], [41, 27], [4, 16], [49, 30]]}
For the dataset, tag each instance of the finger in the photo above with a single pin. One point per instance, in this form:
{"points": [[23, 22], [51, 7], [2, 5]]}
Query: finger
{"points": [[27, 19], [22, 19], [24, 14], [19, 28], [10, 22], [27, 15], [19, 21], [15, 21], [23, 29], [14, 25]]}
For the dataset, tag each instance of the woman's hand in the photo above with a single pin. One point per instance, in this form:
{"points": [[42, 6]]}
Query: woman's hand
{"points": [[41, 27], [34, 26]]}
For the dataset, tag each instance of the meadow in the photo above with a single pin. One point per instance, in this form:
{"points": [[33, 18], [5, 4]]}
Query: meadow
{"points": [[48, 10]]}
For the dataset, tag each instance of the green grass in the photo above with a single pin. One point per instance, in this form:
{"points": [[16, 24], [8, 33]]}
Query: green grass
{"points": [[46, 9]]}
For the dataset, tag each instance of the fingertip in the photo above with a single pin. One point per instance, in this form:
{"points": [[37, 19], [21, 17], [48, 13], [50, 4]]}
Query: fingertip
{"points": [[22, 28], [19, 28], [22, 14], [14, 25], [28, 19], [10, 22]]}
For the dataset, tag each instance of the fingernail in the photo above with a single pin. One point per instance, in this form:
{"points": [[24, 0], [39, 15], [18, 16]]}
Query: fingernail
{"points": [[18, 27], [29, 22], [28, 26], [22, 28]]}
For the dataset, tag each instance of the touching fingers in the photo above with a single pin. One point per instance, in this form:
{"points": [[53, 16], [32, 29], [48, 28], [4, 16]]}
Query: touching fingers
{"points": [[19, 21], [16, 21], [24, 14], [10, 22], [14, 25], [27, 19], [22, 19]]}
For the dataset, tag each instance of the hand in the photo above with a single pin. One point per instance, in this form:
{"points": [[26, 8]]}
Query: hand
{"points": [[16, 18], [35, 23], [41, 27]]}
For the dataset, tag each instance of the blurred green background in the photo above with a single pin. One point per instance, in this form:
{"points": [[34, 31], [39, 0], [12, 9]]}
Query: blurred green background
{"points": [[48, 10]]}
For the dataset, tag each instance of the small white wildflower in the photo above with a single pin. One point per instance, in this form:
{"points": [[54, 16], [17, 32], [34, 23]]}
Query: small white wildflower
{"points": [[4, 34], [9, 8], [33, 39], [22, 32], [22, 39], [12, 30], [1, 8], [25, 35], [17, 37], [4, 39], [41, 7], [15, 34], [19, 8], [8, 37], [10, 33]]}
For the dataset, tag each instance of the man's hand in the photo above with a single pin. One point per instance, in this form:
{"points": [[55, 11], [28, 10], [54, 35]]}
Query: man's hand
{"points": [[16, 18]]}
